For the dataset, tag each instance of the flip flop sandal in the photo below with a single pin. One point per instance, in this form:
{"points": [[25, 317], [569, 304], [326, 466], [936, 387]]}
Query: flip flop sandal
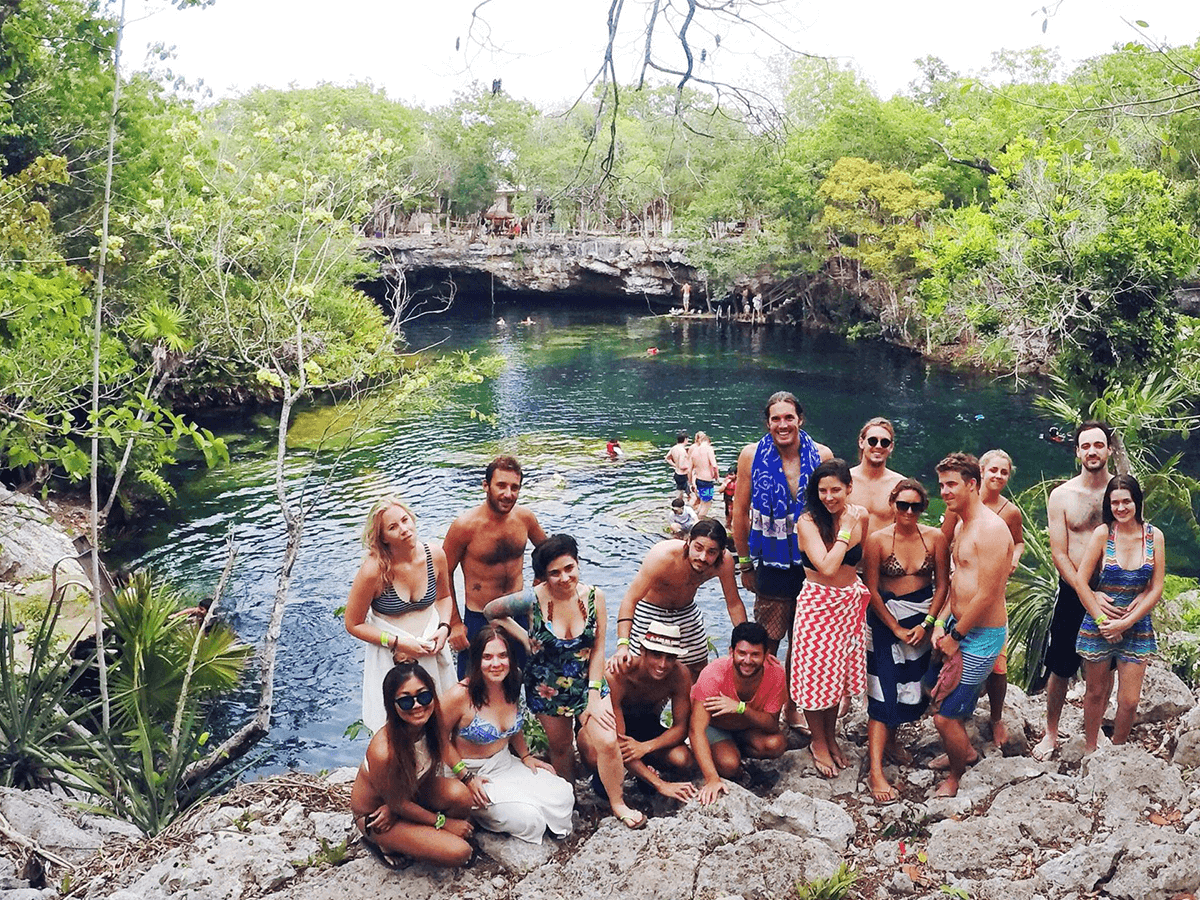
{"points": [[633, 823]]}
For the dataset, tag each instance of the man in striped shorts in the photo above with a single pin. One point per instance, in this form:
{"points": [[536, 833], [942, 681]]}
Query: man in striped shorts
{"points": [[664, 590], [978, 623]]}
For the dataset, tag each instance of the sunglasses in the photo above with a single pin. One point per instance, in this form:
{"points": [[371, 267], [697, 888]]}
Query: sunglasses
{"points": [[407, 701], [910, 506], [881, 442]]}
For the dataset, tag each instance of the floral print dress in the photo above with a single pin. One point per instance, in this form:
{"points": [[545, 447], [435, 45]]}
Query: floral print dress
{"points": [[556, 676]]}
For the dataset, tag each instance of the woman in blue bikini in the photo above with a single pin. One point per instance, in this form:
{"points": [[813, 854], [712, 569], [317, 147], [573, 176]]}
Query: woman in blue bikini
{"points": [[1131, 559], [514, 792]]}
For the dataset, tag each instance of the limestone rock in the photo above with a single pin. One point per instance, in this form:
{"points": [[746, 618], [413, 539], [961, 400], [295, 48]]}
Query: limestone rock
{"points": [[1158, 864], [513, 854], [31, 542], [1043, 820], [1128, 779], [806, 816], [1187, 740], [984, 778], [973, 844], [43, 818], [780, 861]]}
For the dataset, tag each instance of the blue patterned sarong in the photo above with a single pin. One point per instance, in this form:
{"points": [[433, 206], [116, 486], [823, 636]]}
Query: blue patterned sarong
{"points": [[773, 512]]}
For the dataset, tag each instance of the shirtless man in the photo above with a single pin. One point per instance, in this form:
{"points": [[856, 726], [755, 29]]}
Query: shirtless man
{"points": [[664, 590], [705, 472], [680, 462], [639, 694], [978, 623], [873, 480], [1074, 511], [489, 541]]}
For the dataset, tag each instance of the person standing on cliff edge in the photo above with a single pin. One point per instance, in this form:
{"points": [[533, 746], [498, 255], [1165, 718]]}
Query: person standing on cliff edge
{"points": [[489, 542], [772, 477]]}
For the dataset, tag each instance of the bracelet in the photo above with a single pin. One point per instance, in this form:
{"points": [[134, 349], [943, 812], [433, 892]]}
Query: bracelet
{"points": [[624, 619], [622, 642], [385, 640], [844, 535], [468, 777], [741, 707], [929, 620], [526, 756], [956, 634], [595, 685], [939, 623], [1100, 619], [457, 767], [440, 822], [445, 625], [745, 567]]}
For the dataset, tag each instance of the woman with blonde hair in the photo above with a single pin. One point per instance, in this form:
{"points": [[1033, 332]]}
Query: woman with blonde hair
{"points": [[399, 604]]}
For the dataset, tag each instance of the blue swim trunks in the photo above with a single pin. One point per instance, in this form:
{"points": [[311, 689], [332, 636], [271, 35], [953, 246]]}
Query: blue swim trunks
{"points": [[979, 650], [704, 489]]}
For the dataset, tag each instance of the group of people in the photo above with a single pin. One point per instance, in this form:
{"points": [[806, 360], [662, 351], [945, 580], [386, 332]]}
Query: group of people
{"points": [[825, 548]]}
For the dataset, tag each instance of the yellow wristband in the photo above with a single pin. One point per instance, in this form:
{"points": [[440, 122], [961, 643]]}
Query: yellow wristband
{"points": [[622, 642], [458, 767], [385, 639], [939, 623], [741, 707], [1100, 619]]}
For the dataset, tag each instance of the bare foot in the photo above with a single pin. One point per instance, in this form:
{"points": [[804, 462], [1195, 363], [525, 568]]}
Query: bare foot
{"points": [[824, 764], [942, 763], [882, 790], [948, 788], [631, 818], [999, 733], [1044, 749], [839, 758]]}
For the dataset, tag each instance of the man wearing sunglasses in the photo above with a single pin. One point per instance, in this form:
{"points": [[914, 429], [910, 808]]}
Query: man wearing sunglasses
{"points": [[873, 480]]}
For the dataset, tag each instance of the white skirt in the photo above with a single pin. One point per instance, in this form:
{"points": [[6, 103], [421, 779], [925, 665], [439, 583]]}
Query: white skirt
{"points": [[524, 802], [420, 623]]}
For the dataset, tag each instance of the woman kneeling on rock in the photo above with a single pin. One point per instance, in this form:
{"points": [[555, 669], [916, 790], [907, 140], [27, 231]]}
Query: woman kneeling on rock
{"points": [[515, 792], [399, 801]]}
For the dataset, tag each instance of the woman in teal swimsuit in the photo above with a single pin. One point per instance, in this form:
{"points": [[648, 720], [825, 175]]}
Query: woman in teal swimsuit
{"points": [[514, 792], [564, 683]]}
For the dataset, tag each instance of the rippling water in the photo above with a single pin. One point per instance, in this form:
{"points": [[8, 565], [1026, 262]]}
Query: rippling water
{"points": [[571, 380]]}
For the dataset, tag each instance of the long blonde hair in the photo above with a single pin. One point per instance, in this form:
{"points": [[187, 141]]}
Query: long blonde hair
{"points": [[372, 535]]}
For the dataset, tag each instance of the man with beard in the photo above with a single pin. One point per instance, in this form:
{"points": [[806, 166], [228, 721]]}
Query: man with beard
{"points": [[639, 694], [664, 590], [1074, 509], [489, 541], [978, 623], [735, 709]]}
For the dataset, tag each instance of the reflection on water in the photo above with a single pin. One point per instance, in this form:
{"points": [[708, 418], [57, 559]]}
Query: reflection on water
{"points": [[572, 380]]}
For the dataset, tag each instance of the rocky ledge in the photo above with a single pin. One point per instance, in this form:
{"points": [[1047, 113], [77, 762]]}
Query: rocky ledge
{"points": [[1121, 823], [587, 270]]}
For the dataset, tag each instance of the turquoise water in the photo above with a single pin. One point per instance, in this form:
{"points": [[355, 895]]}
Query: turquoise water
{"points": [[571, 380]]}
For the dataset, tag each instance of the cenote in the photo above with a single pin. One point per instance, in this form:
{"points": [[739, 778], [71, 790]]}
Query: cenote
{"points": [[571, 380]]}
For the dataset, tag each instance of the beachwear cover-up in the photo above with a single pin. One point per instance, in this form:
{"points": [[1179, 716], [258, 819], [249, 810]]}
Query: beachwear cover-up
{"points": [[1138, 643], [524, 802], [895, 669], [556, 682], [691, 629], [978, 651], [418, 618], [828, 653]]}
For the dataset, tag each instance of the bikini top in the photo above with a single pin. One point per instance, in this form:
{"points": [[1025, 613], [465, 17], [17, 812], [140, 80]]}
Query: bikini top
{"points": [[389, 603], [852, 558], [892, 568], [481, 731]]}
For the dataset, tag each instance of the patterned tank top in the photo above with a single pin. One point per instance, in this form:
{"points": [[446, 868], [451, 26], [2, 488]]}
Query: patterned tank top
{"points": [[389, 603], [1123, 585]]}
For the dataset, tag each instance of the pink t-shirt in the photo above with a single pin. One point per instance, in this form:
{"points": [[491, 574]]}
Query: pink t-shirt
{"points": [[718, 678]]}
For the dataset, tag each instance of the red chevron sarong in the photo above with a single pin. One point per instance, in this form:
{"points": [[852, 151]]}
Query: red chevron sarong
{"points": [[828, 649]]}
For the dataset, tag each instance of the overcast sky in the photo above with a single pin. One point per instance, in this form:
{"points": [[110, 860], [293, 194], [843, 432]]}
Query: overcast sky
{"points": [[547, 50]]}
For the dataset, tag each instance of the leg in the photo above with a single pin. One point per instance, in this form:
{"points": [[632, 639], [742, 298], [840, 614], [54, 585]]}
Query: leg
{"points": [[764, 744], [423, 842], [560, 734], [1056, 696], [1099, 683], [727, 758], [822, 722], [677, 757], [997, 687], [599, 749], [878, 736], [1129, 692], [958, 748]]}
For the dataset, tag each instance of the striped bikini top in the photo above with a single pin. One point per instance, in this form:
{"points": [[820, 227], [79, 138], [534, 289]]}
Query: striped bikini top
{"points": [[389, 603], [1119, 581]]}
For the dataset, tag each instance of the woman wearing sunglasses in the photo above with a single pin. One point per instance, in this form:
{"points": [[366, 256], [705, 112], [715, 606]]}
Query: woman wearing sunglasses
{"points": [[399, 604], [515, 792], [399, 801], [906, 566], [827, 643]]}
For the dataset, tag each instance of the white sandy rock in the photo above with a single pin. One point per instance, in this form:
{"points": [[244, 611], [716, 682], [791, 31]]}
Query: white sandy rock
{"points": [[812, 817]]}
